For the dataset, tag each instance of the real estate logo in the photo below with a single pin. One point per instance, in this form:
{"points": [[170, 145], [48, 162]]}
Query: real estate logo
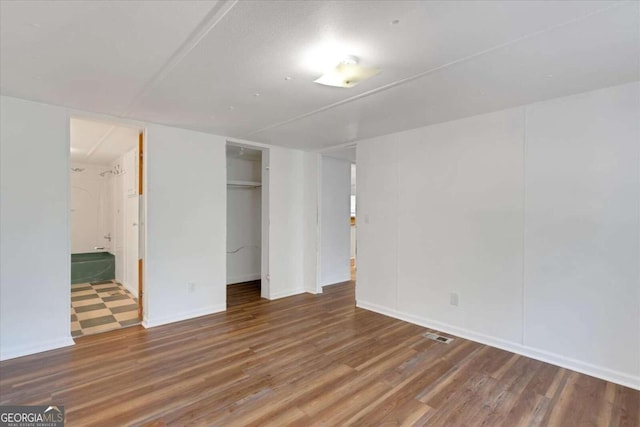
{"points": [[32, 416]]}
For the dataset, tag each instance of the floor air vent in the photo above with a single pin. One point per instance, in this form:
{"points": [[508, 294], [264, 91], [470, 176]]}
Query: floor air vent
{"points": [[437, 337]]}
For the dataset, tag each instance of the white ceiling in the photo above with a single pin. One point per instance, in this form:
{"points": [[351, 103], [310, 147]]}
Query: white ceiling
{"points": [[99, 142], [198, 64], [348, 153]]}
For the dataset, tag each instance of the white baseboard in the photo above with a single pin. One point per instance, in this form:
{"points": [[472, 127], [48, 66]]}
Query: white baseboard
{"points": [[150, 323], [243, 278], [285, 294], [606, 374], [20, 351]]}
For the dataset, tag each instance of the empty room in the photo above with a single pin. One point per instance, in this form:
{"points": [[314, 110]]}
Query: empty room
{"points": [[320, 213]]}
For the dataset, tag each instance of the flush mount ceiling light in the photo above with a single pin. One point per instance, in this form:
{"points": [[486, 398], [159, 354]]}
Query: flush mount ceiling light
{"points": [[346, 74]]}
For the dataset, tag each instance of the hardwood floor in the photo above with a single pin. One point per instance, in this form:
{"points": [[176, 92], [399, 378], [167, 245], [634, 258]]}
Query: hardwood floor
{"points": [[305, 360], [243, 293]]}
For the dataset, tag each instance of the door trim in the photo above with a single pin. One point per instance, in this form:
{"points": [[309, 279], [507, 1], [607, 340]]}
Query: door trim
{"points": [[140, 192]]}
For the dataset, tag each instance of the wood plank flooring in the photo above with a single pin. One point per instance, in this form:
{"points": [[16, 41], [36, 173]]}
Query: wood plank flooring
{"points": [[243, 293], [305, 360]]}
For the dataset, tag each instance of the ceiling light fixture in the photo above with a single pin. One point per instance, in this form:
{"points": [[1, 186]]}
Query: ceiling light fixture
{"points": [[346, 74], [395, 22], [256, 94], [287, 78]]}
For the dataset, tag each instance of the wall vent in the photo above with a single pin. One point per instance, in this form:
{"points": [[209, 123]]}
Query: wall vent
{"points": [[437, 337]]}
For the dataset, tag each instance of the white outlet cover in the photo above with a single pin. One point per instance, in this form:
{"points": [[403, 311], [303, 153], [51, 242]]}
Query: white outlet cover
{"points": [[454, 299]]}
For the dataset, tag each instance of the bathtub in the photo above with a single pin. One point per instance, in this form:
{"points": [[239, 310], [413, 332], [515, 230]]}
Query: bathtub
{"points": [[92, 267]]}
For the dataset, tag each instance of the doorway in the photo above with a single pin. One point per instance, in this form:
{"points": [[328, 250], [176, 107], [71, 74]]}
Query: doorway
{"points": [[106, 230], [336, 223], [244, 224]]}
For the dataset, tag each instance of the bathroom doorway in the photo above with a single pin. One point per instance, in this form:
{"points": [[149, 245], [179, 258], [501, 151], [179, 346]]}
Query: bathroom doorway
{"points": [[244, 224], [106, 227]]}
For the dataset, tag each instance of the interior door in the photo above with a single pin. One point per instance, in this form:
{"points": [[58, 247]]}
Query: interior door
{"points": [[141, 227], [131, 245], [118, 237], [132, 221]]}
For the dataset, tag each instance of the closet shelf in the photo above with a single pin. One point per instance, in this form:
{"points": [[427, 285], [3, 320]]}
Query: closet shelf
{"points": [[243, 184]]}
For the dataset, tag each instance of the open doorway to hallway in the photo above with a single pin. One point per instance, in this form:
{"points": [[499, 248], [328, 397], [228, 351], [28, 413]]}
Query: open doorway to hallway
{"points": [[337, 222], [106, 255]]}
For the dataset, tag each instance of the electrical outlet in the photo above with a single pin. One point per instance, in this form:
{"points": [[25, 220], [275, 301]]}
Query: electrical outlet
{"points": [[453, 298], [191, 286]]}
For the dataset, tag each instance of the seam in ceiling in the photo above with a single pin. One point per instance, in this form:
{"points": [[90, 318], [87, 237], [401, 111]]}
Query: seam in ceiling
{"points": [[213, 17], [432, 70]]}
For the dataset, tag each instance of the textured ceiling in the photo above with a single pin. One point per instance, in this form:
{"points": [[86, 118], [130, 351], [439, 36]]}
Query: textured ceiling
{"points": [[220, 67]]}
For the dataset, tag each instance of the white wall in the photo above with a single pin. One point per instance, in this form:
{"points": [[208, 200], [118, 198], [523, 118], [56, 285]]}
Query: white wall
{"points": [[459, 223], [582, 184], [531, 215], [335, 213], [377, 232], [91, 208], [286, 210], [185, 224], [292, 181], [185, 211], [265, 227], [244, 218], [310, 224], [35, 268]]}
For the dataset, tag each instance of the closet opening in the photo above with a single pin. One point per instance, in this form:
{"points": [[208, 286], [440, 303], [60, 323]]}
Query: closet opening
{"points": [[244, 224]]}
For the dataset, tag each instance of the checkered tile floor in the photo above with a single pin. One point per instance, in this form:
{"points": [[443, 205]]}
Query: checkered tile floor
{"points": [[100, 307]]}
